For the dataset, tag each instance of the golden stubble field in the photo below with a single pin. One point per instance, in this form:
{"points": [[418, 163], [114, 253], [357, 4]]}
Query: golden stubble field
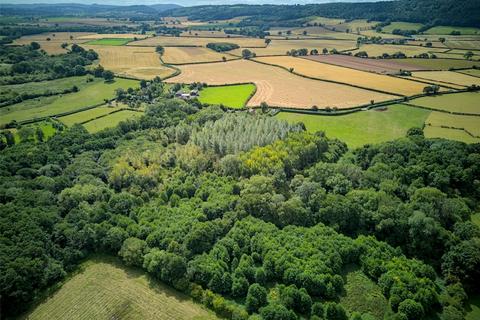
{"points": [[184, 55], [53, 46], [346, 75], [278, 87], [447, 77], [195, 41], [137, 62]]}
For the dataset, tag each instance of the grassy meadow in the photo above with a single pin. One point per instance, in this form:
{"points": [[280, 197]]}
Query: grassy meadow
{"points": [[445, 30], [235, 96], [84, 116], [110, 41], [401, 26], [94, 93], [465, 102], [110, 120], [105, 289], [452, 134], [364, 127]]}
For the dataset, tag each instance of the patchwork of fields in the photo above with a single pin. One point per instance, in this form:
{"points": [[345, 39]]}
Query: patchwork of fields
{"points": [[186, 55], [447, 77], [195, 42]]}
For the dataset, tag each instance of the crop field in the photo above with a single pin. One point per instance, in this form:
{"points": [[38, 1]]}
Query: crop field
{"points": [[92, 94], [464, 102], [185, 55], [111, 120], [278, 87], [362, 294], [471, 72], [468, 123], [235, 96], [434, 64], [386, 66], [53, 46], [451, 134], [376, 50], [138, 62], [441, 30], [208, 34], [447, 77], [360, 128], [195, 42], [280, 47], [105, 289], [110, 41], [84, 116], [355, 77], [401, 26], [113, 36]]}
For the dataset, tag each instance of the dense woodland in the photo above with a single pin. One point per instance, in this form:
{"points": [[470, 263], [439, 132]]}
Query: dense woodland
{"points": [[190, 196]]}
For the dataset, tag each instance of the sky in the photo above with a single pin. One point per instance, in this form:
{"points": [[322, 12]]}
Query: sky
{"points": [[181, 2]]}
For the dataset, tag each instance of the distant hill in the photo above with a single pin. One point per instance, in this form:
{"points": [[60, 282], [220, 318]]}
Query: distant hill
{"points": [[435, 12]]}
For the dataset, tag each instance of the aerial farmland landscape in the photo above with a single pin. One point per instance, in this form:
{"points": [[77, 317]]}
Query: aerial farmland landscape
{"points": [[240, 160]]}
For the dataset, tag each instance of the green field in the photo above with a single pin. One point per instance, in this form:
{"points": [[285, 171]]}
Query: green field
{"points": [[363, 295], [363, 127], [111, 120], [465, 102], [402, 26], [56, 85], [106, 289], [230, 96], [471, 72], [110, 41], [86, 115], [476, 219], [94, 93], [452, 134], [468, 123], [446, 30], [438, 64], [46, 126]]}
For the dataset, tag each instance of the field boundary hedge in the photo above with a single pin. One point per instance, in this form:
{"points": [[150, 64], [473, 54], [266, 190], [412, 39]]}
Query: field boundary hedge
{"points": [[454, 128], [205, 62], [110, 113]]}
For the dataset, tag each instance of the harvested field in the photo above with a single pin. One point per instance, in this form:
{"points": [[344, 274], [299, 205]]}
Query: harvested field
{"points": [[468, 123], [208, 34], [278, 87], [447, 77], [113, 36], [460, 44], [449, 29], [87, 115], [401, 26], [451, 134], [346, 75], [142, 63], [106, 289], [464, 102], [53, 46], [185, 55], [443, 86], [111, 120], [376, 50], [326, 21], [192, 42], [93, 93], [359, 128], [280, 47], [390, 66], [471, 72], [434, 64]]}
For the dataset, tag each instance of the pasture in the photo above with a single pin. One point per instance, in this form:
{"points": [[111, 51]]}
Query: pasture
{"points": [[280, 47], [84, 116], [110, 41], [363, 127], [471, 72], [447, 77], [324, 20], [320, 32], [185, 55], [401, 26], [208, 34], [356, 25], [451, 134], [278, 87], [54, 45], [359, 78], [434, 64], [194, 42], [111, 120], [376, 50], [97, 36], [94, 93], [445, 30], [235, 96], [374, 33], [465, 102], [106, 289], [471, 124], [462, 44], [137, 62], [390, 66]]}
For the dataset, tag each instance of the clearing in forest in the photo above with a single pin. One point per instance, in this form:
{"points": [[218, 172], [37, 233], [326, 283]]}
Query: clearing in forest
{"points": [[234, 96], [186, 55], [359, 78], [464, 102], [92, 94], [141, 63], [106, 289], [363, 127], [278, 87], [447, 77]]}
